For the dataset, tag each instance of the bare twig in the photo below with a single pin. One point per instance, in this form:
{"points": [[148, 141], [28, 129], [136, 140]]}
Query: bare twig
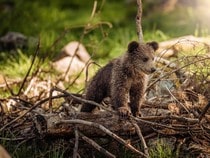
{"points": [[12, 139], [29, 110], [86, 73], [96, 146], [143, 142], [168, 63], [139, 21], [204, 111], [171, 72], [33, 80], [178, 118], [57, 40], [71, 61], [29, 70], [81, 100], [178, 100], [73, 82], [50, 100], [105, 130], [7, 85], [94, 9], [75, 153], [154, 124]]}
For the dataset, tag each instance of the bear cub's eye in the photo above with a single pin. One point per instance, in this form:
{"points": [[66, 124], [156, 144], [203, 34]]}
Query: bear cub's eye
{"points": [[145, 59]]}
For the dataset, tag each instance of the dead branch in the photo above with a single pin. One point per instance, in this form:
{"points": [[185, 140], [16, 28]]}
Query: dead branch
{"points": [[39, 103], [86, 72], [75, 153], [105, 130], [79, 74], [173, 71], [139, 20], [138, 131], [204, 111], [96, 146], [8, 87], [29, 70], [81, 100], [178, 101], [166, 62]]}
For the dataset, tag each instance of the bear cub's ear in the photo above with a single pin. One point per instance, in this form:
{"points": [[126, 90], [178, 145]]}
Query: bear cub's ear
{"points": [[132, 46], [153, 44]]}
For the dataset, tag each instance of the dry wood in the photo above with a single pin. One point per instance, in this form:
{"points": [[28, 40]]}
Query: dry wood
{"points": [[75, 153], [138, 130], [29, 70], [112, 121], [97, 146], [107, 123], [139, 21], [105, 130], [175, 70], [204, 111]]}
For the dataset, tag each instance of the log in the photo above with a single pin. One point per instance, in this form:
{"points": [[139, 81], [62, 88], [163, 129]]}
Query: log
{"points": [[90, 123], [53, 124]]}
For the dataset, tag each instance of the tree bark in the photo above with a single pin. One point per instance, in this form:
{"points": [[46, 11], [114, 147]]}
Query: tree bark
{"points": [[64, 126]]}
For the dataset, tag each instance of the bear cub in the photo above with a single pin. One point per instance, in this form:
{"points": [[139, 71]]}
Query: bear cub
{"points": [[123, 79]]}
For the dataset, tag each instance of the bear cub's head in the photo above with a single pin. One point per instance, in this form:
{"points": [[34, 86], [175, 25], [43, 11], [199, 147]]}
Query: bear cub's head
{"points": [[141, 56]]}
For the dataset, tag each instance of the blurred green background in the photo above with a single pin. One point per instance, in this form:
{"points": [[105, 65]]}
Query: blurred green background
{"points": [[111, 28]]}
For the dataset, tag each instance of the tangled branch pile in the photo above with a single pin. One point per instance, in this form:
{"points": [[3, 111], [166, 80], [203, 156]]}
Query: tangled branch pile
{"points": [[176, 108]]}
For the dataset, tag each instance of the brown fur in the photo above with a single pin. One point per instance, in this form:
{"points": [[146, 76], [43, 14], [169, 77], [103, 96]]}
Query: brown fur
{"points": [[122, 79]]}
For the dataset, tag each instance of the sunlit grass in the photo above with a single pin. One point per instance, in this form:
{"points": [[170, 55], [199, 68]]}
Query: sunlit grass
{"points": [[16, 65], [161, 150]]}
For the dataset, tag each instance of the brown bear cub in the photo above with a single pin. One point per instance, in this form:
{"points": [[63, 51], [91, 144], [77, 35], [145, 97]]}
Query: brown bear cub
{"points": [[123, 79]]}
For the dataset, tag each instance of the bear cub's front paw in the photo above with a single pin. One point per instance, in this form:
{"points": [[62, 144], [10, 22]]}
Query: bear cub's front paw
{"points": [[124, 112]]}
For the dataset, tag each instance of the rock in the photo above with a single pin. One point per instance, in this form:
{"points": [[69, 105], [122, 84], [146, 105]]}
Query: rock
{"points": [[172, 47], [73, 56], [62, 65], [13, 40], [77, 49]]}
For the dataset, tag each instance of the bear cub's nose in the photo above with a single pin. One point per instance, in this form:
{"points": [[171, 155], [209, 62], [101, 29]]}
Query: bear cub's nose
{"points": [[153, 69]]}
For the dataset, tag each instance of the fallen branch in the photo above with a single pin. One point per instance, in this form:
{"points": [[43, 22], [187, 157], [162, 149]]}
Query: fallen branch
{"points": [[204, 111], [96, 146], [143, 142], [105, 130], [26, 112], [75, 153]]}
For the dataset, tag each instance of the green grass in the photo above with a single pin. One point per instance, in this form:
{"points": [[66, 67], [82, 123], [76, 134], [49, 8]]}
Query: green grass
{"points": [[35, 149], [161, 150], [17, 65]]}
